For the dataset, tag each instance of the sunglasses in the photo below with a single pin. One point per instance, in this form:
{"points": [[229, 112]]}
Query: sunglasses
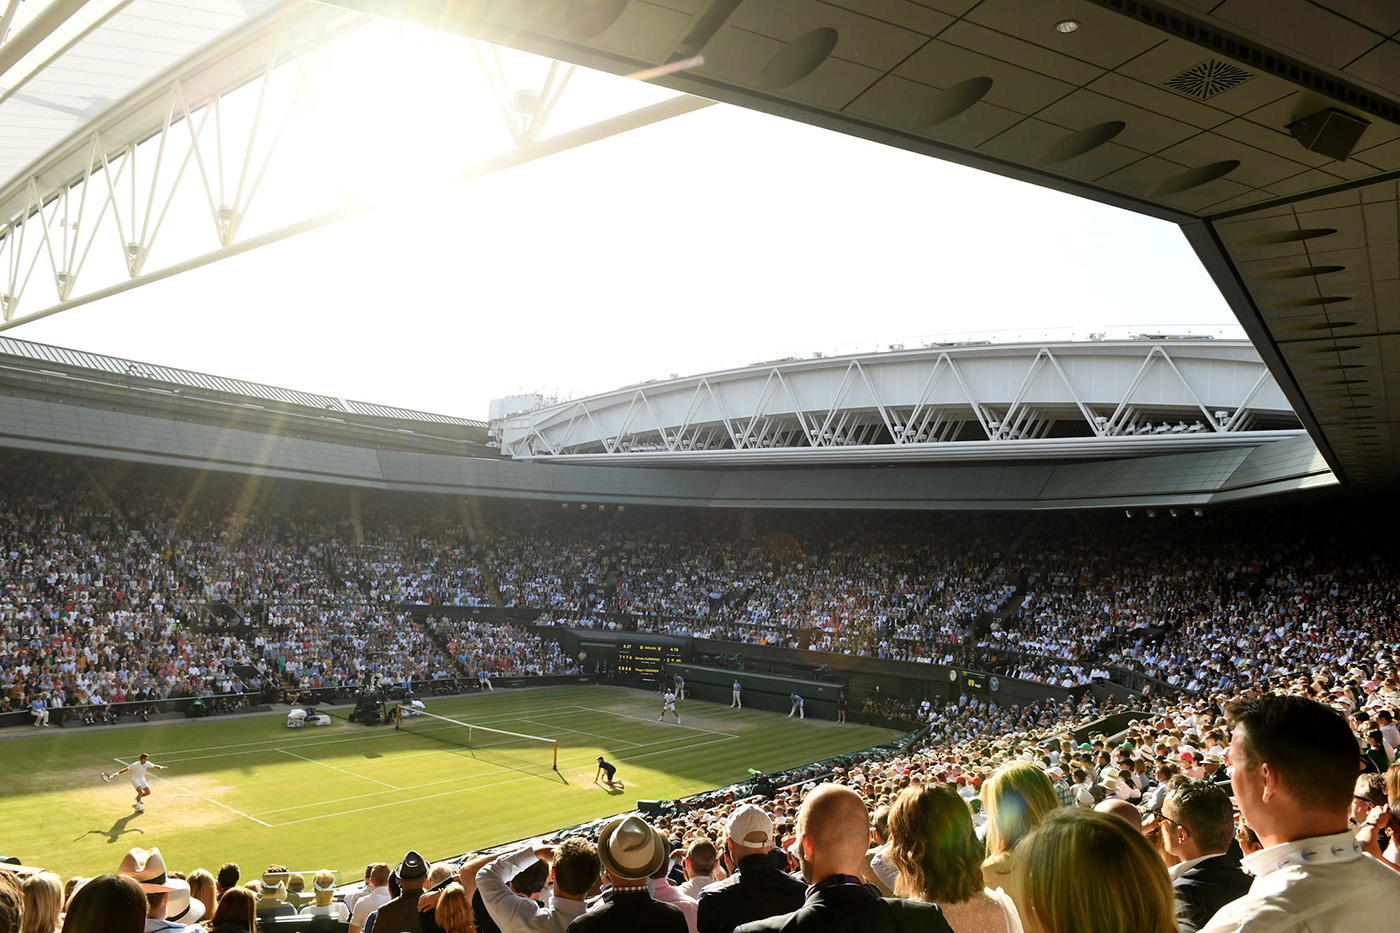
{"points": [[1162, 816]]}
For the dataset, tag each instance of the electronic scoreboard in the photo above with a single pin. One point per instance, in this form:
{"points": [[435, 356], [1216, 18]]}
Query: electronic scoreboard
{"points": [[646, 660]]}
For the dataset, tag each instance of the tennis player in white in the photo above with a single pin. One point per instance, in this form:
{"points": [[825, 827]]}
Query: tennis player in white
{"points": [[668, 705], [138, 769]]}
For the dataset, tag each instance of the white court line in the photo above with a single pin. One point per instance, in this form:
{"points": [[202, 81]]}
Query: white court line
{"points": [[201, 797], [645, 719], [460, 790], [341, 770], [462, 777], [310, 741], [608, 738]]}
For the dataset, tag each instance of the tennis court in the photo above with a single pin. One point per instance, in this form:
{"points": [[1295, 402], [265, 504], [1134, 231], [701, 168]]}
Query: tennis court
{"points": [[342, 795]]}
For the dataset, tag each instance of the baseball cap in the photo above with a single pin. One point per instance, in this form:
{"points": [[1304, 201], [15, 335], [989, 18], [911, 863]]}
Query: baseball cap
{"points": [[750, 827]]}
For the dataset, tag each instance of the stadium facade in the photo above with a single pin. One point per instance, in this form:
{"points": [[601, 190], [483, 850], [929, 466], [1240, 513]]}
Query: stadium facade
{"points": [[91, 405]]}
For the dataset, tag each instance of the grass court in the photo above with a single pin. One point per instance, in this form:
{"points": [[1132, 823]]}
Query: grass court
{"points": [[248, 789]]}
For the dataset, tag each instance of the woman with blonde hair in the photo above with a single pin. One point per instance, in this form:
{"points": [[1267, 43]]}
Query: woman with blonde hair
{"points": [[202, 889], [1015, 798], [1081, 871], [939, 858], [42, 902], [454, 910], [323, 890]]}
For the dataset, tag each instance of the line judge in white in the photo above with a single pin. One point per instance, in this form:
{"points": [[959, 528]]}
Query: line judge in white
{"points": [[138, 769]]}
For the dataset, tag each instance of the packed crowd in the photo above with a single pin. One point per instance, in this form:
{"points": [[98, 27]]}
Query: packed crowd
{"points": [[108, 582], [1265, 810]]}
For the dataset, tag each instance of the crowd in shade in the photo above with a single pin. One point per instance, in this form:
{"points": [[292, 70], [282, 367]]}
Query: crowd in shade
{"points": [[111, 587], [109, 579]]}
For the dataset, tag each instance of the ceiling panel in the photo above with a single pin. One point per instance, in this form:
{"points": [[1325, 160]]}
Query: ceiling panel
{"points": [[1184, 115]]}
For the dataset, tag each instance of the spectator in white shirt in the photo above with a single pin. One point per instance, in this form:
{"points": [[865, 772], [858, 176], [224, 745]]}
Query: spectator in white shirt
{"points": [[575, 866], [1293, 765], [377, 896], [700, 859]]}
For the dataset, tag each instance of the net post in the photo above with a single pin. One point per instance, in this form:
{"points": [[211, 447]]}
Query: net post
{"points": [[556, 755]]}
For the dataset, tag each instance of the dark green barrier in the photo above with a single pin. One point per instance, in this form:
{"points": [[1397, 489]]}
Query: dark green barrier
{"points": [[760, 691]]}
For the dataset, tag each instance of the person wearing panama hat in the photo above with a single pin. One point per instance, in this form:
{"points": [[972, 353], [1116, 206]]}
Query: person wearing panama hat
{"points": [[631, 851], [169, 906]]}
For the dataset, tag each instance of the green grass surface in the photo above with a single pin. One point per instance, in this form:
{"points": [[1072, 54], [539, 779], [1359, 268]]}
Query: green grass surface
{"points": [[247, 789]]}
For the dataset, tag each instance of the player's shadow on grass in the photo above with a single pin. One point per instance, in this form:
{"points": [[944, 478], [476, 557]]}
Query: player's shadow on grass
{"points": [[117, 830]]}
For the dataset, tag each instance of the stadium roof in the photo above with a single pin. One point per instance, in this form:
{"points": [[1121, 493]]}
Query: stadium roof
{"points": [[1268, 129], [62, 361], [977, 401]]}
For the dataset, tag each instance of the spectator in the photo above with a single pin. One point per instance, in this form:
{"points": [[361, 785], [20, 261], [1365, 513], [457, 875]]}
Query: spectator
{"points": [[701, 856], [324, 903], [833, 831], [42, 899], [631, 851], [10, 900], [575, 867], [453, 913], [1197, 829], [939, 859], [1086, 872], [661, 890], [1125, 811], [237, 912], [755, 888], [1369, 794], [400, 914], [273, 900], [1380, 824], [169, 907], [371, 901], [202, 889], [227, 878], [107, 904], [1293, 764], [1016, 798]]}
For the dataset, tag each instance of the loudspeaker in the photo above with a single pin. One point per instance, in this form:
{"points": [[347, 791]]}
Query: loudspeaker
{"points": [[1329, 132]]}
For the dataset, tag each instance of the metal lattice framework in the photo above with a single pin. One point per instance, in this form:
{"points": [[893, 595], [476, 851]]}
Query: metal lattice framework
{"points": [[83, 223], [1097, 399]]}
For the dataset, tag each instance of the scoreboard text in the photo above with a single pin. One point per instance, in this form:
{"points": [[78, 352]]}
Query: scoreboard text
{"points": [[645, 660]]}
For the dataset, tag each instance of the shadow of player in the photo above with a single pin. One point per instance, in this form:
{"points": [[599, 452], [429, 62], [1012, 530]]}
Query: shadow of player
{"points": [[613, 788], [117, 829]]}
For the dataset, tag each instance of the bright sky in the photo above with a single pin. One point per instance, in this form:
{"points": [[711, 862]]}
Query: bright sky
{"points": [[711, 240]]}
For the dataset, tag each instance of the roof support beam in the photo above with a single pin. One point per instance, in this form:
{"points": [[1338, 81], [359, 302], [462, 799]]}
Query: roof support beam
{"points": [[44, 24]]}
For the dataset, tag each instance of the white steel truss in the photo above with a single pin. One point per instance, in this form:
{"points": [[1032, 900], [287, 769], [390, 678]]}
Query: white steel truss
{"points": [[1099, 399], [179, 148]]}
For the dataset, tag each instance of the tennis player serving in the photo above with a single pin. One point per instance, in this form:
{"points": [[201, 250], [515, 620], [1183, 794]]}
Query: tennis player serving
{"points": [[138, 769]]}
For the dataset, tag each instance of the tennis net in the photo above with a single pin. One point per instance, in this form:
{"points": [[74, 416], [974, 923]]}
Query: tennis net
{"points": [[511, 749]]}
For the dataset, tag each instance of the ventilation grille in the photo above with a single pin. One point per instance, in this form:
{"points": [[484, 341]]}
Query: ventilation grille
{"points": [[1207, 79]]}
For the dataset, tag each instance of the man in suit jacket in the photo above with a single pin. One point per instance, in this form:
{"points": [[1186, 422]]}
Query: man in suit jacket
{"points": [[833, 830], [631, 852], [1198, 827], [400, 915]]}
